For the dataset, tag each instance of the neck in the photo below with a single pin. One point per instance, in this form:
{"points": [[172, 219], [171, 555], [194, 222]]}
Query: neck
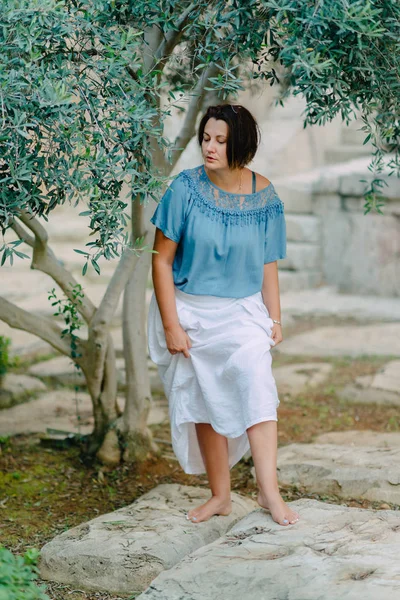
{"points": [[225, 178]]}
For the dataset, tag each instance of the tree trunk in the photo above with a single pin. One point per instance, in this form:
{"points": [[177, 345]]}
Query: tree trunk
{"points": [[104, 438], [137, 436]]}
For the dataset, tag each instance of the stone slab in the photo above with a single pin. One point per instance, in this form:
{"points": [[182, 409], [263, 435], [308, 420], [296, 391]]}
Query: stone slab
{"points": [[60, 369], [360, 438], [367, 395], [123, 551], [388, 378], [297, 280], [332, 553], [293, 379], [302, 228], [59, 410], [327, 301], [302, 256], [364, 472], [18, 388], [363, 390], [343, 177], [23, 344], [367, 340]]}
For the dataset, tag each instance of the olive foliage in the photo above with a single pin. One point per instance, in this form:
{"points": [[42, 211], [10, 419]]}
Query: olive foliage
{"points": [[83, 96]]}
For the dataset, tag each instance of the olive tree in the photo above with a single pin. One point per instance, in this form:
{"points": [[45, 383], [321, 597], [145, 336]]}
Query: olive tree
{"points": [[85, 89]]}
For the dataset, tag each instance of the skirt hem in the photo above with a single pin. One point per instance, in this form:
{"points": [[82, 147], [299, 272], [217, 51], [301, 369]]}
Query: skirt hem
{"points": [[235, 435]]}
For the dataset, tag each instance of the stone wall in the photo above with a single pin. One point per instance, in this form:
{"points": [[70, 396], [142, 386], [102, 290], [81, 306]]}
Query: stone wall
{"points": [[329, 234]]}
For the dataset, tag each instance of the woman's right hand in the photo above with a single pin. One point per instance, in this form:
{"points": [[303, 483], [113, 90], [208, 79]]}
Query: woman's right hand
{"points": [[178, 340]]}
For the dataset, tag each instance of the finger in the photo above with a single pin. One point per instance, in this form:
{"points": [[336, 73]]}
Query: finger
{"points": [[186, 353]]}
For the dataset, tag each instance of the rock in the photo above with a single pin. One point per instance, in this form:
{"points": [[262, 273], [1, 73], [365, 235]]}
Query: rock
{"points": [[360, 438], [296, 280], [123, 551], [363, 390], [110, 452], [364, 473], [301, 255], [388, 378], [333, 552], [60, 370], [25, 345], [302, 228], [18, 388], [326, 301], [292, 379], [380, 339], [58, 410]]}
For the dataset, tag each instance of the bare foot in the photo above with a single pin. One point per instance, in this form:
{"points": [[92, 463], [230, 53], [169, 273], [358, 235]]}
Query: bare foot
{"points": [[214, 506], [280, 512]]}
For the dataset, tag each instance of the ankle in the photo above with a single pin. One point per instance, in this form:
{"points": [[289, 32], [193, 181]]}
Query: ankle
{"points": [[269, 492], [224, 498]]}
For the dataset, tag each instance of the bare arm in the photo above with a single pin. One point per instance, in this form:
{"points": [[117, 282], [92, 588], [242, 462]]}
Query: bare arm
{"points": [[163, 282], [271, 297]]}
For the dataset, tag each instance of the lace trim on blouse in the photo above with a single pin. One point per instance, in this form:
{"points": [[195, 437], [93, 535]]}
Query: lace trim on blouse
{"points": [[228, 208]]}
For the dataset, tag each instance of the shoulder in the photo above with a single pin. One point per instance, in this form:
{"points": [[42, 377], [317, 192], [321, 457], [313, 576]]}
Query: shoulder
{"points": [[262, 182], [185, 175]]}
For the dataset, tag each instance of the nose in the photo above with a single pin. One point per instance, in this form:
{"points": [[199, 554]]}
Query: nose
{"points": [[210, 147]]}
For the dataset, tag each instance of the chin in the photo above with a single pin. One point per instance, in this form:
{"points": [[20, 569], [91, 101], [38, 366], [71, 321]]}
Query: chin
{"points": [[211, 164]]}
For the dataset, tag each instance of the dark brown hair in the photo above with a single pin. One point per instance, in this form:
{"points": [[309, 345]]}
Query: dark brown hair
{"points": [[243, 132]]}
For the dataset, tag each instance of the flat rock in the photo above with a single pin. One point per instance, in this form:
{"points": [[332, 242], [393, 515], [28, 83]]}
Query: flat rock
{"points": [[370, 389], [18, 388], [333, 553], [60, 369], [292, 379], [381, 339], [327, 301], [60, 410], [388, 378], [371, 473], [360, 438], [23, 344], [123, 551]]}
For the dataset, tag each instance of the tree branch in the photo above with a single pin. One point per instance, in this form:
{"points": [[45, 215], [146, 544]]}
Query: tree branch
{"points": [[45, 260], [171, 39], [42, 327], [99, 326], [188, 127], [22, 233]]}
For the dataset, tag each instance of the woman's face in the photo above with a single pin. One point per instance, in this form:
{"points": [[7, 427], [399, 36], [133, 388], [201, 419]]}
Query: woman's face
{"points": [[214, 144]]}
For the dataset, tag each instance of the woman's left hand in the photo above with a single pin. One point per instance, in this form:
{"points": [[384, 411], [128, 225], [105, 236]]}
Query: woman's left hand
{"points": [[277, 333]]}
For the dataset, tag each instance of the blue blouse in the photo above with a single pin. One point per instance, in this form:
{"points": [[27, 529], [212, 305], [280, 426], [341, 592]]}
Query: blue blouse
{"points": [[223, 239]]}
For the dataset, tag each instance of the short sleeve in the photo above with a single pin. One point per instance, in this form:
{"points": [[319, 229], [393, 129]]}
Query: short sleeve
{"points": [[275, 238], [170, 213]]}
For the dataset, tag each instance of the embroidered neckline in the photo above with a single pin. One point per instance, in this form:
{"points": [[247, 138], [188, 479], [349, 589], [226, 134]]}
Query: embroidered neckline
{"points": [[225, 207], [220, 190]]}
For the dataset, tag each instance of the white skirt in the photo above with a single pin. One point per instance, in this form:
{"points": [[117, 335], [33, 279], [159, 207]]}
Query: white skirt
{"points": [[227, 381]]}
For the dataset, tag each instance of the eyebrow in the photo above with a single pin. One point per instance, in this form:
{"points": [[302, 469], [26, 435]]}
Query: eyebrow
{"points": [[218, 134]]}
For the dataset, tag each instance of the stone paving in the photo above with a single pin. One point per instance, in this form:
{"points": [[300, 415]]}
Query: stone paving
{"points": [[332, 552], [382, 339], [365, 472], [125, 550]]}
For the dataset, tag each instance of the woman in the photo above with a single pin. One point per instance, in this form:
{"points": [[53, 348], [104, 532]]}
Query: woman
{"points": [[215, 312]]}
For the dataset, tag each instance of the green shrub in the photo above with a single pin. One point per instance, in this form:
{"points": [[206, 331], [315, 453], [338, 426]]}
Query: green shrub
{"points": [[4, 357], [17, 576]]}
